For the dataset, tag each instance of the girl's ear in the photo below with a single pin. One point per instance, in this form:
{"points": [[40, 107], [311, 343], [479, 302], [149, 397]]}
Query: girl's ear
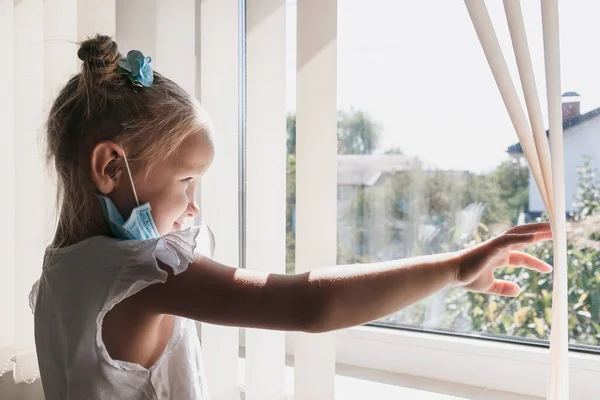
{"points": [[106, 164]]}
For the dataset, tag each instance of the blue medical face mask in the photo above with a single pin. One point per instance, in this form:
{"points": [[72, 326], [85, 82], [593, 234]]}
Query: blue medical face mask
{"points": [[139, 225]]}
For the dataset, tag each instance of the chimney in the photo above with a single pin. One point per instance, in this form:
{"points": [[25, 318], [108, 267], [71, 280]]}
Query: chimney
{"points": [[570, 105]]}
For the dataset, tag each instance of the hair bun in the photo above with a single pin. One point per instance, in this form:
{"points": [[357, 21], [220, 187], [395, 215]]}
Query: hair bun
{"points": [[100, 55]]}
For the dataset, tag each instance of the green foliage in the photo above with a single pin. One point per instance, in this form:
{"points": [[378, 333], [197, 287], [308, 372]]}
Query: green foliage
{"points": [[394, 150], [529, 314], [290, 127], [512, 178], [357, 133], [290, 212], [588, 192]]}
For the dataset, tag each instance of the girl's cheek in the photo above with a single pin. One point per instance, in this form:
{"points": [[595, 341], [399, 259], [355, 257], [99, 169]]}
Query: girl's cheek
{"points": [[182, 203]]}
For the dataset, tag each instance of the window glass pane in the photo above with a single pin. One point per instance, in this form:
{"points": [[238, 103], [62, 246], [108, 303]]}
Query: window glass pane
{"points": [[429, 161]]}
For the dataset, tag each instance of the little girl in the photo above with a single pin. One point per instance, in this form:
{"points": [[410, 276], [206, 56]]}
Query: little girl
{"points": [[123, 283]]}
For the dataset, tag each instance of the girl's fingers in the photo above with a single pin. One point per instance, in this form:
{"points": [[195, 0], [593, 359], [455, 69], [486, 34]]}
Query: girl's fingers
{"points": [[530, 228], [513, 240], [541, 236], [535, 238], [504, 288], [520, 259], [516, 240]]}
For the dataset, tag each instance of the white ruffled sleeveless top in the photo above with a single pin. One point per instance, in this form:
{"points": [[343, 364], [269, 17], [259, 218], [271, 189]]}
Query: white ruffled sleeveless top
{"points": [[79, 285]]}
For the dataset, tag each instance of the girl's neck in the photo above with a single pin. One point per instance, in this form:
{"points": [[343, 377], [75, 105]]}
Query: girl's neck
{"points": [[93, 225]]}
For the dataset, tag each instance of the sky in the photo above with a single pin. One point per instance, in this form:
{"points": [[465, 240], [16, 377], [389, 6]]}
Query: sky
{"points": [[418, 69]]}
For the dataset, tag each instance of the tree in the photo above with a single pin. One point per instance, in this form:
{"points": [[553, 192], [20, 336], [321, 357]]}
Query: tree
{"points": [[394, 150], [587, 197], [357, 133], [513, 179], [290, 127], [290, 213]]}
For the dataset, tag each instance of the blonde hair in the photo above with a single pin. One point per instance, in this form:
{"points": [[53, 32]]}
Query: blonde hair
{"points": [[99, 104]]}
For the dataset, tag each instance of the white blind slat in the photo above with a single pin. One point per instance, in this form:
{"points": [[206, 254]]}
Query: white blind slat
{"points": [[265, 182], [218, 91], [316, 180], [558, 384], [491, 47], [548, 174], [516, 26], [7, 174], [96, 16], [29, 174]]}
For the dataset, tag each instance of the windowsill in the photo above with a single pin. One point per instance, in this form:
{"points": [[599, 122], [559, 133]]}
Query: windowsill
{"points": [[520, 369], [360, 383]]}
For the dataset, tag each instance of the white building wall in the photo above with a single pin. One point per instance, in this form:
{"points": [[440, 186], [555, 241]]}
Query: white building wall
{"points": [[579, 141]]}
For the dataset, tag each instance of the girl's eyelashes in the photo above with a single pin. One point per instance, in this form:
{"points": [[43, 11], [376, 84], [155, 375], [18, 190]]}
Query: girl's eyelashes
{"points": [[187, 180]]}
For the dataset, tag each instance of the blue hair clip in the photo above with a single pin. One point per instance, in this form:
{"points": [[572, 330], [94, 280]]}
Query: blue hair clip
{"points": [[137, 68]]}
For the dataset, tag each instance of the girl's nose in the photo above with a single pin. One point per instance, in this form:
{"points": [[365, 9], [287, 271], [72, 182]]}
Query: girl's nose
{"points": [[193, 209]]}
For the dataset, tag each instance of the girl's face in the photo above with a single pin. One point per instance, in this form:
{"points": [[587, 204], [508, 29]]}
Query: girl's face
{"points": [[169, 186]]}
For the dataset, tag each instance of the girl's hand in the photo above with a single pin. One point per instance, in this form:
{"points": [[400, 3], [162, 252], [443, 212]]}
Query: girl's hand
{"points": [[476, 265]]}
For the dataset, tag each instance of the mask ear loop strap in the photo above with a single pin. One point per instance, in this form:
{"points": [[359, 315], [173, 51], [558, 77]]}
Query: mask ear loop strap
{"points": [[131, 179]]}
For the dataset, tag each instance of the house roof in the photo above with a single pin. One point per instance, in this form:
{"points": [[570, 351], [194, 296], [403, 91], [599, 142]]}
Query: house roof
{"points": [[367, 169], [570, 123]]}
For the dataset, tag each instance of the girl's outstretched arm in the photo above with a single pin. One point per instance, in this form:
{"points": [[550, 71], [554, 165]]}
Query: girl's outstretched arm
{"points": [[341, 296]]}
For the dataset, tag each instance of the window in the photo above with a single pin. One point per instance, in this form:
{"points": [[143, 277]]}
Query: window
{"points": [[428, 160]]}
